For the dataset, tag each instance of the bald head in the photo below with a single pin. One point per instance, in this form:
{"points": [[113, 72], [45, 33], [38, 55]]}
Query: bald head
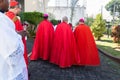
{"points": [[65, 19], [4, 4]]}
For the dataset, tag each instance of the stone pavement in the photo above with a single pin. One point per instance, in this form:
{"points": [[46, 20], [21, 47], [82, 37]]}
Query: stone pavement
{"points": [[43, 70]]}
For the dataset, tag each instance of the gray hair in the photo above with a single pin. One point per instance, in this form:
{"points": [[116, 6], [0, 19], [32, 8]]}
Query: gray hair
{"points": [[65, 18]]}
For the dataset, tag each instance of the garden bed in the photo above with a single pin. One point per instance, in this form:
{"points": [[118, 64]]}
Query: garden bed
{"points": [[106, 44]]}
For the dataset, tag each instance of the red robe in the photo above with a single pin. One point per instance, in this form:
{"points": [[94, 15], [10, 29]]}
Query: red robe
{"points": [[18, 27], [43, 41], [86, 46], [64, 51]]}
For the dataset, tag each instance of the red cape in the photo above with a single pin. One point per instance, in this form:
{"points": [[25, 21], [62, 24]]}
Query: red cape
{"points": [[64, 51], [43, 41], [86, 46], [18, 27]]}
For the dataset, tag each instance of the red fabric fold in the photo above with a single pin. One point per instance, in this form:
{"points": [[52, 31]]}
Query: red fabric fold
{"points": [[64, 51], [86, 46], [43, 41]]}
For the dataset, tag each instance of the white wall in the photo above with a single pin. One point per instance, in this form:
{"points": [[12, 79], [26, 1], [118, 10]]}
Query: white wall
{"points": [[60, 12], [35, 5], [30, 5]]}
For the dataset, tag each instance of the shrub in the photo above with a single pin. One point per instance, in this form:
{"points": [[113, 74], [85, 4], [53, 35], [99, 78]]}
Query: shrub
{"points": [[33, 18], [54, 22], [98, 27], [116, 33]]}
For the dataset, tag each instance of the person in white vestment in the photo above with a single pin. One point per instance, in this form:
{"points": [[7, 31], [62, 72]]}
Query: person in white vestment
{"points": [[12, 63]]}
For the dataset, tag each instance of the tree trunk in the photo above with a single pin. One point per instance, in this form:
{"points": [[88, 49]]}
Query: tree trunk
{"points": [[98, 38], [115, 39]]}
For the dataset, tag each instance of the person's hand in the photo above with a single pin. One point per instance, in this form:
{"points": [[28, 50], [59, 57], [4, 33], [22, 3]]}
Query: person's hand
{"points": [[23, 33]]}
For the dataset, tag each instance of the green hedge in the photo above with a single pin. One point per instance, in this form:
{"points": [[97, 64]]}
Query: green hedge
{"points": [[54, 22], [32, 17]]}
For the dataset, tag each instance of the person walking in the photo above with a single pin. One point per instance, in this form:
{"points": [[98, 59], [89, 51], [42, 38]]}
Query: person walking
{"points": [[86, 45], [64, 52], [43, 40]]}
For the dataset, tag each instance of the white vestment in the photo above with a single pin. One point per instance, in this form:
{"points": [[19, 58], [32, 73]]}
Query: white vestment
{"points": [[12, 63]]}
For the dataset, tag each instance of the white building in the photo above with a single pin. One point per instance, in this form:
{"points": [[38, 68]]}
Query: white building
{"points": [[35, 5], [59, 12], [59, 9]]}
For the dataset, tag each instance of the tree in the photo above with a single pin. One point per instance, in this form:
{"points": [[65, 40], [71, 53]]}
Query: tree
{"points": [[113, 6], [73, 4], [98, 27], [89, 21], [116, 33]]}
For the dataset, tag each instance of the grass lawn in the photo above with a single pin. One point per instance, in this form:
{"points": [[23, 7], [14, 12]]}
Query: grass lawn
{"points": [[107, 45]]}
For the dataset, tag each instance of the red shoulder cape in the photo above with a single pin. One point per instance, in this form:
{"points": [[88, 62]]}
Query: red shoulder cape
{"points": [[43, 41], [86, 46], [64, 51]]}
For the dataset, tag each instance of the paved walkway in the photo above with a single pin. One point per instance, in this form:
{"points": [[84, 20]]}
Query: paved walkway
{"points": [[43, 70]]}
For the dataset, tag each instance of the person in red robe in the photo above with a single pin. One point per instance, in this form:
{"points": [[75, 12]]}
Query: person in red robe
{"points": [[14, 10], [43, 40], [86, 45], [64, 51]]}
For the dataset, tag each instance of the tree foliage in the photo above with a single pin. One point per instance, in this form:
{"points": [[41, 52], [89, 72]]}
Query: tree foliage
{"points": [[54, 22], [113, 6], [33, 18], [98, 27], [89, 21], [116, 33]]}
